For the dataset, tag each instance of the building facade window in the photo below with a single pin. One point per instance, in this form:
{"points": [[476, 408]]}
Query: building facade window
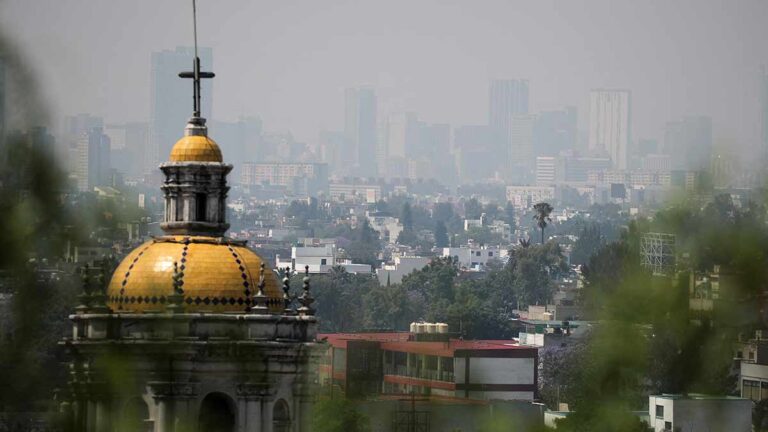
{"points": [[659, 411], [750, 389]]}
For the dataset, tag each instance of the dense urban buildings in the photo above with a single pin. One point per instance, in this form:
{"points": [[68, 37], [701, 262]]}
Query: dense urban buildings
{"points": [[301, 179], [432, 251]]}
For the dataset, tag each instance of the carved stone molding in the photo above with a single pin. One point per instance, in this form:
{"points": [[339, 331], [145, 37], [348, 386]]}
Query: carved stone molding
{"points": [[255, 391], [173, 390]]}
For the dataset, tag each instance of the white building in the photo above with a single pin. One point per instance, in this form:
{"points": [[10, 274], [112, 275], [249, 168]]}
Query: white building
{"points": [[474, 258], [389, 227], [695, 412], [473, 223], [546, 168], [320, 259], [609, 124], [503, 229], [404, 265], [753, 373], [523, 197]]}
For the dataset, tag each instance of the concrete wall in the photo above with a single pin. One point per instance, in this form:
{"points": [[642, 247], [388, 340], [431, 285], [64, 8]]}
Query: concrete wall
{"points": [[704, 414], [455, 416]]}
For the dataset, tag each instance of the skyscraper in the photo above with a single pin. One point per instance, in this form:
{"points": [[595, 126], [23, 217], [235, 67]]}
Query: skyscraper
{"points": [[93, 168], [505, 98], [74, 128], [474, 161], [554, 132], [609, 124], [129, 142], [360, 129], [170, 98], [689, 143], [764, 114], [2, 98], [520, 153]]}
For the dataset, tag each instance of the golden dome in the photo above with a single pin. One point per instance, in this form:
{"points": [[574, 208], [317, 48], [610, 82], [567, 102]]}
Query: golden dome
{"points": [[217, 276], [196, 148]]}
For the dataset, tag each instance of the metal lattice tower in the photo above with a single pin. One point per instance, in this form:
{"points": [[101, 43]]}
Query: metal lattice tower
{"points": [[657, 253]]}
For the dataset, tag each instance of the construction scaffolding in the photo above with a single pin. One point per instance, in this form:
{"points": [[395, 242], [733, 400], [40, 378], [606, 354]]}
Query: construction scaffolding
{"points": [[657, 253], [409, 419]]}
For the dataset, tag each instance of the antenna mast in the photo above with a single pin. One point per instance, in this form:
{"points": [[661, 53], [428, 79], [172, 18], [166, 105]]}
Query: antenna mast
{"points": [[196, 75]]}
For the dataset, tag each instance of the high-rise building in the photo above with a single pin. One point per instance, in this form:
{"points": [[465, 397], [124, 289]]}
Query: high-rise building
{"points": [[764, 113], [689, 143], [555, 131], [330, 148], [298, 178], [129, 143], [240, 140], [3, 86], [520, 153], [73, 129], [360, 129], [93, 168], [475, 159], [402, 131], [506, 98], [546, 170], [170, 97], [610, 125]]}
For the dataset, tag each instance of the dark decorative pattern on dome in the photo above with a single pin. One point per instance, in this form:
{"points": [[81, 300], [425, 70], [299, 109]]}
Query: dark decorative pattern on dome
{"points": [[124, 283], [189, 300], [244, 274]]}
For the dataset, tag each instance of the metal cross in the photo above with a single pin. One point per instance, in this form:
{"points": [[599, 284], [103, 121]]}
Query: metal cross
{"points": [[196, 74]]}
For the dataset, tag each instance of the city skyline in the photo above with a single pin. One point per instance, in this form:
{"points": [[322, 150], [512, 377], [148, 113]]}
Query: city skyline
{"points": [[393, 61]]}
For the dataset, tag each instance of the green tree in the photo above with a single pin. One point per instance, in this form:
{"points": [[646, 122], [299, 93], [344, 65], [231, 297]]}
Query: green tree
{"points": [[339, 298], [443, 212], [492, 212], [588, 243], [509, 215], [387, 307], [365, 245], [473, 209], [441, 234], [542, 211], [338, 415], [406, 216], [533, 270]]}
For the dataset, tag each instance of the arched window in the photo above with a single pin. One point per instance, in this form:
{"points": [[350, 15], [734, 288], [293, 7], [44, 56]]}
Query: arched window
{"points": [[202, 207], [217, 413], [281, 417], [135, 416]]}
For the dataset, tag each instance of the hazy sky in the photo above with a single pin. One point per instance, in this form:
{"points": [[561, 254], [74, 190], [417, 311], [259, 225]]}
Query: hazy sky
{"points": [[289, 61]]}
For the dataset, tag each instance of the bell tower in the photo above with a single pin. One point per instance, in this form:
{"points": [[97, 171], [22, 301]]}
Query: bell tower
{"points": [[195, 185]]}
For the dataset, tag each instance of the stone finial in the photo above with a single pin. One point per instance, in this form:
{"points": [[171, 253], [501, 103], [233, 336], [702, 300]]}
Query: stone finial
{"points": [[176, 298], [287, 300], [260, 299], [99, 294], [306, 299], [85, 295]]}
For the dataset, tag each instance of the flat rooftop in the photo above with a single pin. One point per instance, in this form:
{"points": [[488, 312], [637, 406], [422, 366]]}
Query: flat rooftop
{"points": [[405, 342]]}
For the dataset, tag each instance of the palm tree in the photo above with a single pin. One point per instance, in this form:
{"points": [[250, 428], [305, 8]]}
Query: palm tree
{"points": [[541, 216]]}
